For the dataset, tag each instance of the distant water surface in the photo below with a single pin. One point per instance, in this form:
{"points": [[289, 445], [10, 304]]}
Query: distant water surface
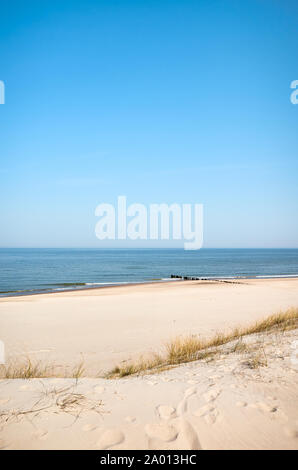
{"points": [[25, 270]]}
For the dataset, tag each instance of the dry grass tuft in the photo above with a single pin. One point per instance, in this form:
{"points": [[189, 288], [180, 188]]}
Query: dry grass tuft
{"points": [[28, 369], [177, 351], [64, 400], [135, 368], [239, 347], [257, 360], [191, 348], [78, 371]]}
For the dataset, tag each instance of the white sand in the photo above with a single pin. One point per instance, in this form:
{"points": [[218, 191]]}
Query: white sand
{"points": [[221, 404], [107, 325]]}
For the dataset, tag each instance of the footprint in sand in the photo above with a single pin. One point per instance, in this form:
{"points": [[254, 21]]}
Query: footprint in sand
{"points": [[204, 410], [190, 391], [215, 377], [182, 407], [241, 404], [212, 395], [264, 407], [211, 418], [110, 438], [188, 438], [130, 419], [164, 432], [166, 412], [208, 412], [89, 427]]}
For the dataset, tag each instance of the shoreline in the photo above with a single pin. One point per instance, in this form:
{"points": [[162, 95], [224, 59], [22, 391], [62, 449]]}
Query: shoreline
{"points": [[104, 285]]}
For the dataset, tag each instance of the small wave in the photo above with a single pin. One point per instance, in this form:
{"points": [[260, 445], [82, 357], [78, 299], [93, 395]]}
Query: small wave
{"points": [[277, 275], [111, 283], [67, 284]]}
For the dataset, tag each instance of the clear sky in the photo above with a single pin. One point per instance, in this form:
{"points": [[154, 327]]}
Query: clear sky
{"points": [[162, 101]]}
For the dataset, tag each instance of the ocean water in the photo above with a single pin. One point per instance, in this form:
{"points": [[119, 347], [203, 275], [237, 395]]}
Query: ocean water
{"points": [[40, 270]]}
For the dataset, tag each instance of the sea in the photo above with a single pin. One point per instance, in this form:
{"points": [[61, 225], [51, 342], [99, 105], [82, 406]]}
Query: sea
{"points": [[37, 270]]}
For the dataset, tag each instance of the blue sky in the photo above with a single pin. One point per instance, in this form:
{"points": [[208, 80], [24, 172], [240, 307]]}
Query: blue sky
{"points": [[161, 101]]}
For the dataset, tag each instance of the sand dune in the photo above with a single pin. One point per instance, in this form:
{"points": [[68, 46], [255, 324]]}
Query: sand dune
{"points": [[244, 398], [222, 404], [107, 325]]}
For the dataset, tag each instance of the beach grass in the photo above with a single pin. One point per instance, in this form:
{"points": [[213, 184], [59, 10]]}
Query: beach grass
{"points": [[192, 348], [27, 368], [179, 350]]}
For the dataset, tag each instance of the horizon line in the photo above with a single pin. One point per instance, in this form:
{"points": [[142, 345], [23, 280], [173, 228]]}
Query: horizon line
{"points": [[143, 248]]}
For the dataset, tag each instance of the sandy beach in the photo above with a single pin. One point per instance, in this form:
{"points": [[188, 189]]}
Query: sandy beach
{"points": [[104, 326], [218, 404]]}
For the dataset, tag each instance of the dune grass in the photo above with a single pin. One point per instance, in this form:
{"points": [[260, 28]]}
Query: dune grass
{"points": [[177, 351], [192, 348], [26, 368]]}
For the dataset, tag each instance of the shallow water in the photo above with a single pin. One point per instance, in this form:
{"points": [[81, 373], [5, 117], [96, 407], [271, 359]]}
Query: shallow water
{"points": [[25, 270]]}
